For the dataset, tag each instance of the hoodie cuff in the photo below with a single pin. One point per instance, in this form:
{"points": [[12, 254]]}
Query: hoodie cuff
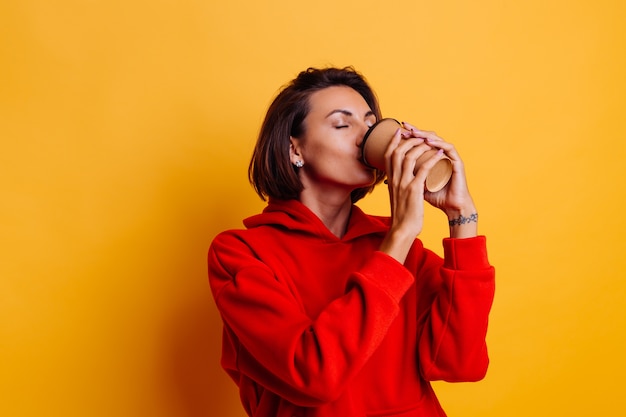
{"points": [[465, 254], [388, 274]]}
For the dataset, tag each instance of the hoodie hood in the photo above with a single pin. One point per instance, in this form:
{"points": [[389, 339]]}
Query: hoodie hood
{"points": [[295, 216]]}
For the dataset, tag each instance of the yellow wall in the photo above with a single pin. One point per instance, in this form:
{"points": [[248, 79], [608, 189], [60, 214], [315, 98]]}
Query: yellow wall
{"points": [[126, 129]]}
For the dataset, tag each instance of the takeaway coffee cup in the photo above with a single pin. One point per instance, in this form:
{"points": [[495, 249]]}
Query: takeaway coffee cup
{"points": [[376, 141]]}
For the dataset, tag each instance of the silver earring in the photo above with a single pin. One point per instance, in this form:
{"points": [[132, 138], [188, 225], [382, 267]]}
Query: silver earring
{"points": [[299, 164]]}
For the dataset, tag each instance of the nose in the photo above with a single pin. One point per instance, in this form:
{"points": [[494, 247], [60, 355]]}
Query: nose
{"points": [[362, 131]]}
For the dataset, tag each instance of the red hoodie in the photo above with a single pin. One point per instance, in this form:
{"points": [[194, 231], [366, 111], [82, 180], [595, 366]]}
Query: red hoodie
{"points": [[316, 325]]}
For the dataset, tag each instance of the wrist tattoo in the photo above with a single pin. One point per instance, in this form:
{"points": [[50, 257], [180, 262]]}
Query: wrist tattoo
{"points": [[464, 220]]}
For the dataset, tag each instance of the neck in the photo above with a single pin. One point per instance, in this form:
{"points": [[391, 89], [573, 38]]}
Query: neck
{"points": [[333, 212]]}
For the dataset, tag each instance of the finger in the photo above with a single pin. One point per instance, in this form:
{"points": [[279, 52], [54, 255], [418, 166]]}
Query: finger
{"points": [[407, 144], [396, 152], [407, 153], [433, 140], [416, 152], [420, 132], [447, 147], [409, 126], [406, 133], [410, 160], [427, 135], [426, 167]]}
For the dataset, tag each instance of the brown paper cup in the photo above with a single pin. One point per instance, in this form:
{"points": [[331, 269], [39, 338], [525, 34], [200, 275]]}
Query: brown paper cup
{"points": [[375, 144]]}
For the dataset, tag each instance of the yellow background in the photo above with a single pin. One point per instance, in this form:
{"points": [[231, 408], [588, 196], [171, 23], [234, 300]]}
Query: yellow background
{"points": [[126, 130]]}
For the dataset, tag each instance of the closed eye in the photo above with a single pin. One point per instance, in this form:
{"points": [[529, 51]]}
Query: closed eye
{"points": [[341, 127]]}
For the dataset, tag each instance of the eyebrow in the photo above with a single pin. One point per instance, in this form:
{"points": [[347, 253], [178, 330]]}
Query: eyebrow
{"points": [[348, 113]]}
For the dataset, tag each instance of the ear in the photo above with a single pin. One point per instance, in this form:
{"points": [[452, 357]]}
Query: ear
{"points": [[295, 154]]}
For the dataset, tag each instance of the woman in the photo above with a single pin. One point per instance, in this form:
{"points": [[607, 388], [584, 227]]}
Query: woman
{"points": [[328, 311]]}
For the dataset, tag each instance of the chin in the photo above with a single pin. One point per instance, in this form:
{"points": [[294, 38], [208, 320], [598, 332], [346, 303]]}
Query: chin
{"points": [[369, 179]]}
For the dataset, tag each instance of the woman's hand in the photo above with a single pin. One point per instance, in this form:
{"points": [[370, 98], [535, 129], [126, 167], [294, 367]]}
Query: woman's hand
{"points": [[407, 190], [454, 199], [455, 195]]}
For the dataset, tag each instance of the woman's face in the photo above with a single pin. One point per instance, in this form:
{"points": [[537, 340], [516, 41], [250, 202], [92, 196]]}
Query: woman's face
{"points": [[330, 145]]}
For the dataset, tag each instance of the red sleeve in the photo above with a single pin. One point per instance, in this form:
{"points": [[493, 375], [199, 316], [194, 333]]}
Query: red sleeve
{"points": [[452, 344], [306, 361]]}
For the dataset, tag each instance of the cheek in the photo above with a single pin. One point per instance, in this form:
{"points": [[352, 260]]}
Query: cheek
{"points": [[323, 152]]}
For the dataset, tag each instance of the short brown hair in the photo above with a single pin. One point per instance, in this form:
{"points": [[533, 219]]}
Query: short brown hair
{"points": [[270, 171]]}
